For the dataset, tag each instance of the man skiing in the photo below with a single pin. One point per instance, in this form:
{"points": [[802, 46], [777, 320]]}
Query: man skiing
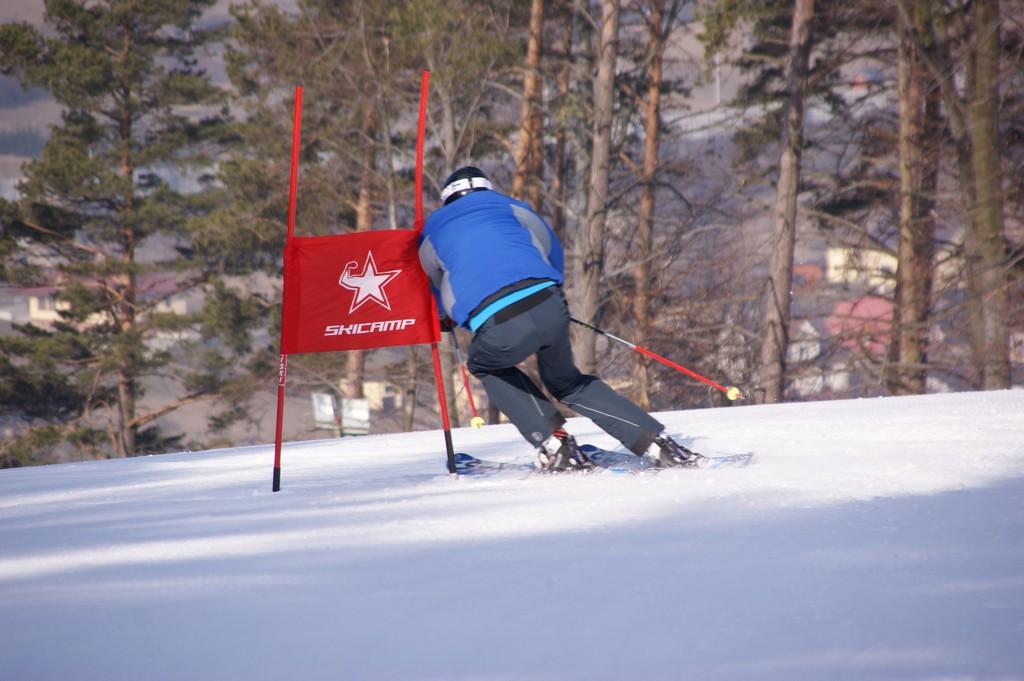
{"points": [[497, 269]]}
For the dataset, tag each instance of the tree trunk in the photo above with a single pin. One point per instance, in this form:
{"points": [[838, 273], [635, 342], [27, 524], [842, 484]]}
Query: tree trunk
{"points": [[408, 404], [534, 190], [987, 213], [591, 262], [973, 120], [972, 259], [642, 275], [919, 157], [577, 188], [529, 126], [125, 306], [777, 297], [409, 397], [560, 171], [448, 132]]}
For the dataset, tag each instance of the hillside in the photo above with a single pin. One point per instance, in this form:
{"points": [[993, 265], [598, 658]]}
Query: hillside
{"points": [[872, 539]]}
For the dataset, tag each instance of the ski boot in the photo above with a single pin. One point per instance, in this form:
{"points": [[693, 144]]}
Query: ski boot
{"points": [[560, 453], [665, 452]]}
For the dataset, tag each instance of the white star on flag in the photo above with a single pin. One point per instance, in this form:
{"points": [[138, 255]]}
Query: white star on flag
{"points": [[369, 285]]}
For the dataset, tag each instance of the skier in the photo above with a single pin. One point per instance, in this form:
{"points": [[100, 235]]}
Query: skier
{"points": [[497, 269]]}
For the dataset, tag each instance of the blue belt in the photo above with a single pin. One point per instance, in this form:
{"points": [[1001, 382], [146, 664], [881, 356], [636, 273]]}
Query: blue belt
{"points": [[477, 320]]}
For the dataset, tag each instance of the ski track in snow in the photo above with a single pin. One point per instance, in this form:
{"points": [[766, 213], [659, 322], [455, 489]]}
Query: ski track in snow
{"points": [[871, 539]]}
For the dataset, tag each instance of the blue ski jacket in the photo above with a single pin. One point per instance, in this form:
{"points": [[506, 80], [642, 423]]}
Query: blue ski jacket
{"points": [[482, 244]]}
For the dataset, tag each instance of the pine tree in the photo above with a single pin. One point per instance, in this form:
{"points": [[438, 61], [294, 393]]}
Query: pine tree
{"points": [[660, 23], [778, 295], [100, 218], [846, 194]]}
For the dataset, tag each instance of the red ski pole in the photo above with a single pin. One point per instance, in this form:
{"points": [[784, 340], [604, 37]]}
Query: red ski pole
{"points": [[732, 393]]}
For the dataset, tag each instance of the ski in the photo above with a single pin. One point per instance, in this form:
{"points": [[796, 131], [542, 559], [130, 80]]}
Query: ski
{"points": [[629, 462], [467, 464], [606, 461]]}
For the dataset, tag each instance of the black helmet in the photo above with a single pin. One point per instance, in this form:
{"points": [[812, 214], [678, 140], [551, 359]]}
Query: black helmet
{"points": [[463, 181]]}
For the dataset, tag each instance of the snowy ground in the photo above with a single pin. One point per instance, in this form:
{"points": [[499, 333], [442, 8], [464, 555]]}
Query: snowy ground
{"points": [[872, 539]]}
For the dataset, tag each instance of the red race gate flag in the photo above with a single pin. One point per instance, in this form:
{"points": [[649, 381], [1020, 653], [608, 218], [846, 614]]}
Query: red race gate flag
{"points": [[356, 291]]}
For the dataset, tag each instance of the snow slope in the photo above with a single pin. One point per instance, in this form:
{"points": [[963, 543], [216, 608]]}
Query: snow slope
{"points": [[872, 539]]}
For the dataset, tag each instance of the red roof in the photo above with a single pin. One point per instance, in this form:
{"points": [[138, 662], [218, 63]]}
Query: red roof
{"points": [[862, 323]]}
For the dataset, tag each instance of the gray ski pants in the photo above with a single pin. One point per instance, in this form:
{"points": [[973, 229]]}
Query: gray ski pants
{"points": [[539, 325]]}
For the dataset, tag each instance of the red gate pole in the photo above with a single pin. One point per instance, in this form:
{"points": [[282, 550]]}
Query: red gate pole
{"points": [[282, 371], [420, 133], [439, 378], [438, 374]]}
